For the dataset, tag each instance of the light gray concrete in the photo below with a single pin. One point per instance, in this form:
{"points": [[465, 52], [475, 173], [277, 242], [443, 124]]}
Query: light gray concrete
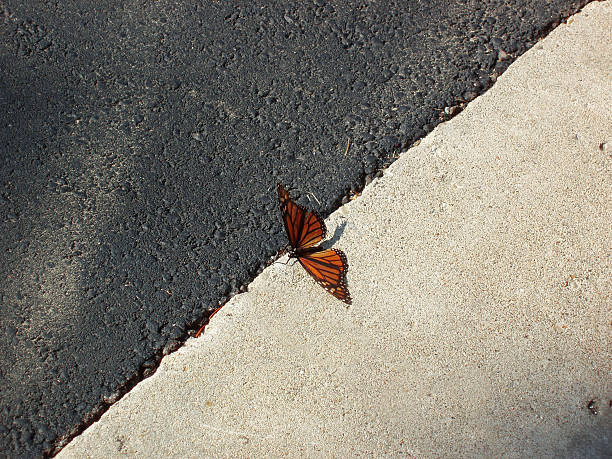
{"points": [[480, 273]]}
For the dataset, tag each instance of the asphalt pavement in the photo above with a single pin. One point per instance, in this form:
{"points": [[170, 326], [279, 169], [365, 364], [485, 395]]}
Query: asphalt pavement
{"points": [[140, 145], [480, 272]]}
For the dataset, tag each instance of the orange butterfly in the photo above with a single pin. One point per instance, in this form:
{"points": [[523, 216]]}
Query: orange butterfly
{"points": [[305, 229]]}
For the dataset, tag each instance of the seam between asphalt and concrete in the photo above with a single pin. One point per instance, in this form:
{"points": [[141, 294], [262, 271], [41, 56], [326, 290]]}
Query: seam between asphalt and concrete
{"points": [[479, 267]]}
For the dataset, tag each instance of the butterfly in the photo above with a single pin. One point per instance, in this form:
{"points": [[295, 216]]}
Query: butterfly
{"points": [[304, 229]]}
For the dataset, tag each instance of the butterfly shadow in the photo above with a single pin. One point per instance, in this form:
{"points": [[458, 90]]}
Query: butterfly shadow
{"points": [[328, 243]]}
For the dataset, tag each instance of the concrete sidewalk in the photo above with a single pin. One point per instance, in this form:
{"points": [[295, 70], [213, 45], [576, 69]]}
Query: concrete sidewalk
{"points": [[481, 280]]}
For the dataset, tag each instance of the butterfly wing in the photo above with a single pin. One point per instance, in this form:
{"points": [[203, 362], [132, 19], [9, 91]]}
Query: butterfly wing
{"points": [[304, 228], [328, 267]]}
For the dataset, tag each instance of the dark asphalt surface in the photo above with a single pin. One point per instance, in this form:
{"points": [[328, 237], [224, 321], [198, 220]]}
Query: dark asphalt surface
{"points": [[140, 146]]}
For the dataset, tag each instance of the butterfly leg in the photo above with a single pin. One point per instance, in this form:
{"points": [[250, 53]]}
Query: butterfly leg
{"points": [[285, 263]]}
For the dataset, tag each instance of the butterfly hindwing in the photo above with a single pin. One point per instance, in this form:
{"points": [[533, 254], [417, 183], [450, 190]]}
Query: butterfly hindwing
{"points": [[328, 267], [304, 228]]}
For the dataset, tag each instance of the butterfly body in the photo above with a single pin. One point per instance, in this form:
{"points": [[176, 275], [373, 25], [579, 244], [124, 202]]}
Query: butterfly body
{"points": [[297, 253], [304, 230]]}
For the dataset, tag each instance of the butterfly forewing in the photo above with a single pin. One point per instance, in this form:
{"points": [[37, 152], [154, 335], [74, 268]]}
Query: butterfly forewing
{"points": [[304, 228], [328, 267]]}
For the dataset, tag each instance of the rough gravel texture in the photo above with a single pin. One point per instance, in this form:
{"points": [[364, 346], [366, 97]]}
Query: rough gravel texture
{"points": [[139, 148]]}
